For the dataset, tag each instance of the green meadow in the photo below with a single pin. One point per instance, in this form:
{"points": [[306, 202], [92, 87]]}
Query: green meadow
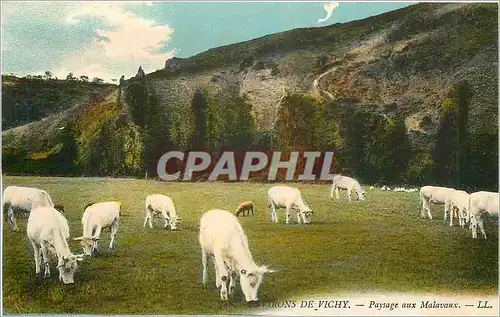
{"points": [[380, 244]]}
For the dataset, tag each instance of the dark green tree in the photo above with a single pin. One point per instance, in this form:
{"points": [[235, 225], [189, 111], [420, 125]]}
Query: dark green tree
{"points": [[199, 106]]}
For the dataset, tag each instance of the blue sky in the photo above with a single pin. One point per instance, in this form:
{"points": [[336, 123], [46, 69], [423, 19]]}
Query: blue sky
{"points": [[110, 39]]}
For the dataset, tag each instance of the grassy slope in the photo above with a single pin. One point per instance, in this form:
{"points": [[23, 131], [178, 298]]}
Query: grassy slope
{"points": [[377, 245]]}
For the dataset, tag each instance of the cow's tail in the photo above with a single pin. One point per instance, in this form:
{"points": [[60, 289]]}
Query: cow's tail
{"points": [[469, 212], [5, 204], [5, 208], [421, 204], [119, 208]]}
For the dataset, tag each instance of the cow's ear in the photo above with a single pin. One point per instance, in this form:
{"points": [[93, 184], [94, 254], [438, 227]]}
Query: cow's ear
{"points": [[265, 270]]}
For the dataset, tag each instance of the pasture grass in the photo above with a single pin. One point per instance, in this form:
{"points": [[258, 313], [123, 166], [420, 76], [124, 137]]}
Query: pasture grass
{"points": [[380, 244]]}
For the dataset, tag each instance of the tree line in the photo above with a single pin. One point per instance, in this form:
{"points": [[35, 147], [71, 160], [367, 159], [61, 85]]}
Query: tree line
{"points": [[69, 77]]}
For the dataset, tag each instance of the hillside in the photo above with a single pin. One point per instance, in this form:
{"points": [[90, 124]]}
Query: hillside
{"points": [[26, 100], [409, 96]]}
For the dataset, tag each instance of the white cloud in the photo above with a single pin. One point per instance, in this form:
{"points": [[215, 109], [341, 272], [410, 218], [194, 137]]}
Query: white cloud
{"points": [[329, 7], [129, 42], [123, 40]]}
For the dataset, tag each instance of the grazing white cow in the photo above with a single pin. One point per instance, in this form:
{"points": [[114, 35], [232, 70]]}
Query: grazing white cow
{"points": [[411, 190], [288, 198], [222, 236], [96, 217], [348, 183], [48, 232], [457, 201], [435, 195], [22, 199], [480, 203], [160, 204]]}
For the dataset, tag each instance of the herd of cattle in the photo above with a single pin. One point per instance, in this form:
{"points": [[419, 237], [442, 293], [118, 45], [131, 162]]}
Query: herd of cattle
{"points": [[221, 235]]}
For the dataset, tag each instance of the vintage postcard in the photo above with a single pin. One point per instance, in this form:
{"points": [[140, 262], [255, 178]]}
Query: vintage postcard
{"points": [[267, 158]]}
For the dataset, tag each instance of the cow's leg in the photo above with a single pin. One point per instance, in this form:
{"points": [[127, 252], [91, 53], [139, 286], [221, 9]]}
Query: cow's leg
{"points": [[37, 255], [423, 206], [451, 211], [288, 214], [150, 220], [232, 277], [465, 215], [204, 263], [11, 219], [447, 210], [149, 215], [95, 248], [46, 259], [274, 216], [428, 207], [6, 215], [331, 191], [348, 194], [337, 192], [251, 208], [114, 230], [217, 273], [167, 218], [474, 226], [460, 216], [480, 221], [95, 244], [223, 274], [232, 281]]}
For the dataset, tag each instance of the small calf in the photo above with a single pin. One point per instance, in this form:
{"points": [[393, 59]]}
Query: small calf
{"points": [[244, 207]]}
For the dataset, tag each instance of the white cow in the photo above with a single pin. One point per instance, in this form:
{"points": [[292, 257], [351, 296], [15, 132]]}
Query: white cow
{"points": [[48, 232], [288, 198], [480, 203], [222, 236], [458, 200], [435, 195], [348, 183], [22, 198], [160, 204], [96, 217]]}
